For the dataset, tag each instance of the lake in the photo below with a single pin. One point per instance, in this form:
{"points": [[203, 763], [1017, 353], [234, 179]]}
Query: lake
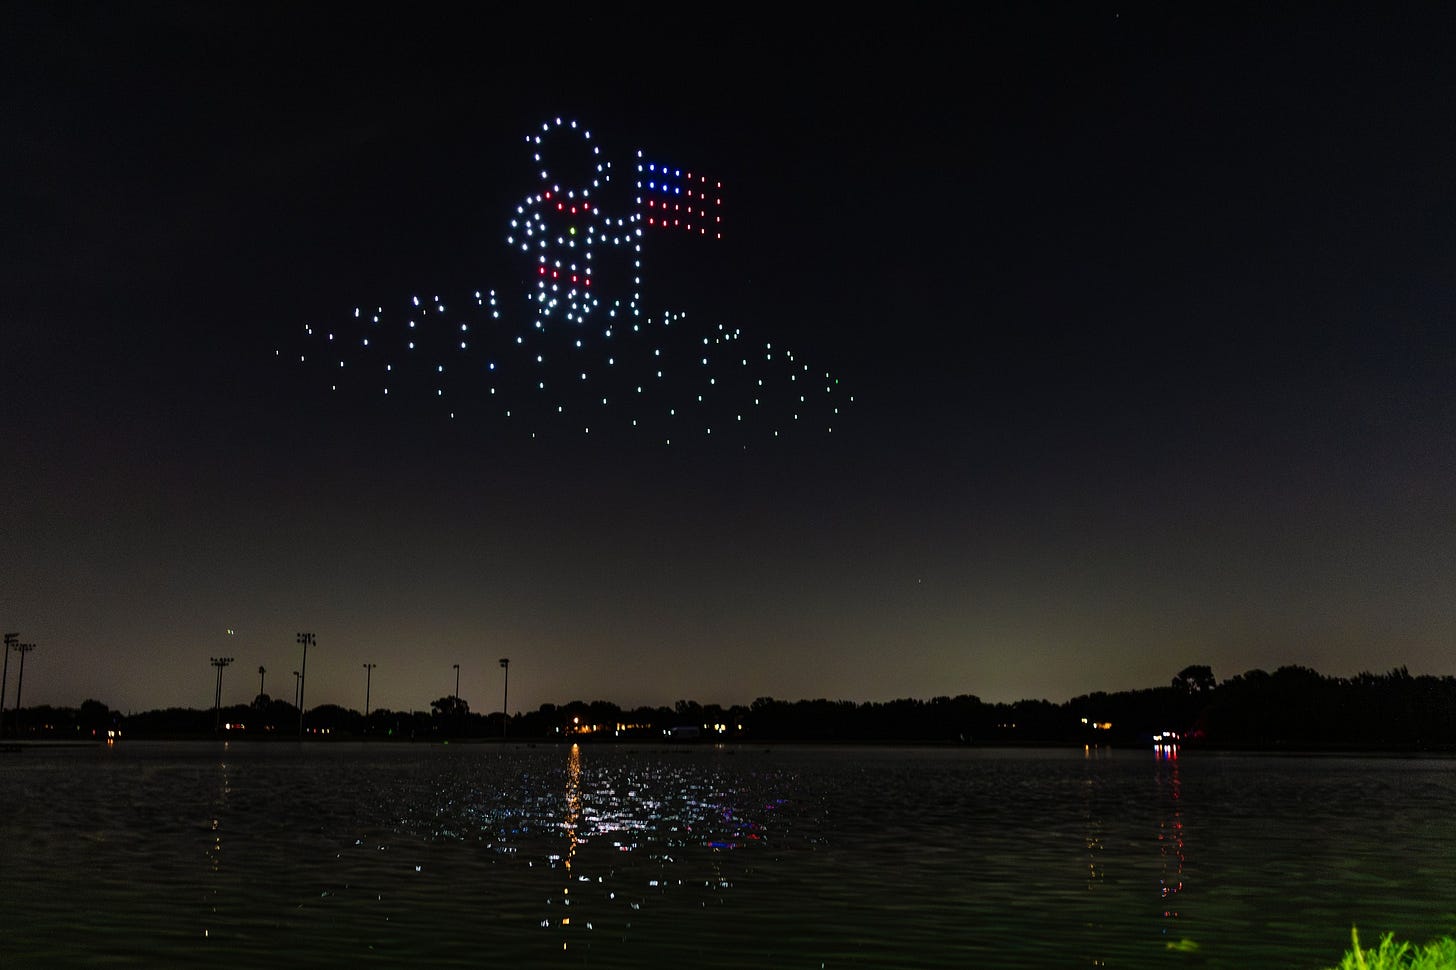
{"points": [[152, 854]]}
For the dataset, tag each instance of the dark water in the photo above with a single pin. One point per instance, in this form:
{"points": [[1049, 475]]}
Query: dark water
{"points": [[155, 855]]}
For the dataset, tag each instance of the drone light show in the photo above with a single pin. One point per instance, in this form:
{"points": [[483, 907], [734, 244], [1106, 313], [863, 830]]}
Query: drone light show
{"points": [[573, 348]]}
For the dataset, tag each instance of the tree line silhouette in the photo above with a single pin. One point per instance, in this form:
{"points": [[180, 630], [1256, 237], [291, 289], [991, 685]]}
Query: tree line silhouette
{"points": [[1292, 708]]}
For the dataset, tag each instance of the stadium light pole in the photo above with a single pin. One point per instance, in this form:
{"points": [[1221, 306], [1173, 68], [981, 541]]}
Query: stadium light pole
{"points": [[22, 649], [368, 677], [505, 696], [456, 706], [219, 663], [295, 688], [10, 641], [305, 640]]}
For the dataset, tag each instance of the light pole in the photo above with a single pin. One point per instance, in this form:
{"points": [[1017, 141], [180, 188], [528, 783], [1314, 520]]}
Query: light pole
{"points": [[368, 676], [219, 663], [505, 696], [456, 705], [295, 688], [261, 671], [10, 640], [22, 649], [305, 640]]}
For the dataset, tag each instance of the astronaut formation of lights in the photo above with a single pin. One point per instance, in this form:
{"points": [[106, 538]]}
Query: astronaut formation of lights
{"points": [[577, 352]]}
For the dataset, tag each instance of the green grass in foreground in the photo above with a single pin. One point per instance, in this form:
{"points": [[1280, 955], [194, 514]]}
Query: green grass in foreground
{"points": [[1389, 955]]}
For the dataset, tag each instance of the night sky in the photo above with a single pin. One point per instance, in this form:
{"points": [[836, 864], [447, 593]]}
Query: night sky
{"points": [[1145, 311]]}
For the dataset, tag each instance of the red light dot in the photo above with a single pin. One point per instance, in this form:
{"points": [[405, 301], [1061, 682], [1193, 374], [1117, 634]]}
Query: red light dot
{"points": [[559, 207]]}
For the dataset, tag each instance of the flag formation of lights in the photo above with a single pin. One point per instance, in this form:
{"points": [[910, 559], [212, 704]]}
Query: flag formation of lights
{"points": [[678, 200], [577, 352]]}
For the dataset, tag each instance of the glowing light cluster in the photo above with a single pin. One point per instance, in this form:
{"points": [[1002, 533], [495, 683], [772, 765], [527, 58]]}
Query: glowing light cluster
{"points": [[562, 227], [675, 199], [576, 352]]}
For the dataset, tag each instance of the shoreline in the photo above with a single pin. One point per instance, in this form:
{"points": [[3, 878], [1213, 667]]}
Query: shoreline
{"points": [[15, 746]]}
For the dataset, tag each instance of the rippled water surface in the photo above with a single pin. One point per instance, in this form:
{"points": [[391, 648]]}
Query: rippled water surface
{"points": [[148, 855]]}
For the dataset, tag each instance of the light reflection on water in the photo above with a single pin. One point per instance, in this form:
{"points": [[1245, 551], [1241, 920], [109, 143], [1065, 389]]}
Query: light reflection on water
{"points": [[628, 856]]}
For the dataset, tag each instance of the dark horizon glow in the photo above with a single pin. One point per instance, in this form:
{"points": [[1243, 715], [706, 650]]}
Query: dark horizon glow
{"points": [[1145, 315]]}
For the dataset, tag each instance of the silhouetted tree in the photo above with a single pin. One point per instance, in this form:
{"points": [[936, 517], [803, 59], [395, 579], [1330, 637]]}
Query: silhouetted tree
{"points": [[603, 712], [449, 706], [1195, 679], [94, 717]]}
